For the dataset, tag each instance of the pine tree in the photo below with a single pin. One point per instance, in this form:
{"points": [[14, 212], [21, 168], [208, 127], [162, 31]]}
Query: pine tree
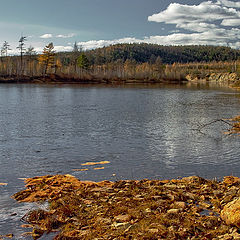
{"points": [[22, 50], [75, 55], [47, 58], [83, 62], [5, 48]]}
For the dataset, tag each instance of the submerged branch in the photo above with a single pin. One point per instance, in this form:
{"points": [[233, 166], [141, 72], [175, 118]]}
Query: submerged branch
{"points": [[234, 123]]}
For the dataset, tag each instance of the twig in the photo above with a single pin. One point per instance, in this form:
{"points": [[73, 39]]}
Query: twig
{"points": [[217, 120]]}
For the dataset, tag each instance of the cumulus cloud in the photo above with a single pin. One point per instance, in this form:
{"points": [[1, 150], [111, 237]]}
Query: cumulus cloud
{"points": [[218, 37], [49, 35], [204, 12], [210, 22], [103, 43], [46, 36], [231, 22], [63, 48], [229, 3]]}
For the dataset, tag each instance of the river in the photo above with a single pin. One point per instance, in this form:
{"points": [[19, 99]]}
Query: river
{"points": [[143, 131]]}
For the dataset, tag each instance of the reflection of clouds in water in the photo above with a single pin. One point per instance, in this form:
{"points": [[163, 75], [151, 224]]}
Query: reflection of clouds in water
{"points": [[171, 140]]}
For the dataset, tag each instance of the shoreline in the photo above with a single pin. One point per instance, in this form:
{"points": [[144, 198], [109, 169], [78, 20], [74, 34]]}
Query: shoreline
{"points": [[231, 80], [57, 79], [187, 208]]}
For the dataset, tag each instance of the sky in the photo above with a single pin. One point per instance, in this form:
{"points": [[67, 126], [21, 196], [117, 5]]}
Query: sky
{"points": [[98, 23]]}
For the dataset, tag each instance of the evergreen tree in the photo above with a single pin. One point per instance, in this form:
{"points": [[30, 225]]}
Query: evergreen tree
{"points": [[22, 50], [83, 62], [47, 58], [75, 55], [5, 48]]}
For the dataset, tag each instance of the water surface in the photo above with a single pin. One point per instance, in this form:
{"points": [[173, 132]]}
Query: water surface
{"points": [[145, 132]]}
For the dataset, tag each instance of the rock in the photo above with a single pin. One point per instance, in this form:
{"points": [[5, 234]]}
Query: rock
{"points": [[87, 202], [178, 205], [170, 186], [213, 77], [173, 211], [223, 77], [205, 205], [194, 179], [123, 218], [104, 220], [190, 195], [122, 226], [148, 210], [192, 78], [231, 180], [132, 227], [231, 213]]}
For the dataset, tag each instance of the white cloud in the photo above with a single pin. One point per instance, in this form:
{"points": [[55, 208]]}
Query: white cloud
{"points": [[218, 37], [103, 43], [204, 12], [57, 48], [70, 35], [231, 22], [229, 3], [46, 36], [196, 26], [209, 22], [49, 35], [63, 48]]}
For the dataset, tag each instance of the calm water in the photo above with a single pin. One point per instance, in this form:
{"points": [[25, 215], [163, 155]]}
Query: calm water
{"points": [[145, 132]]}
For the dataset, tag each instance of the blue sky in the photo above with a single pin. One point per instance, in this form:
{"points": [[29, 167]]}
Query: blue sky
{"points": [[97, 23]]}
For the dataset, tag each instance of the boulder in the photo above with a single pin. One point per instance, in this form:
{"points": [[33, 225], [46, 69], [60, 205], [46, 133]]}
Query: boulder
{"points": [[231, 213]]}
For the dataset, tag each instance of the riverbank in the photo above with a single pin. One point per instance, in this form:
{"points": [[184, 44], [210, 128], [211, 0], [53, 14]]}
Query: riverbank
{"points": [[187, 208], [231, 79], [88, 79], [227, 78]]}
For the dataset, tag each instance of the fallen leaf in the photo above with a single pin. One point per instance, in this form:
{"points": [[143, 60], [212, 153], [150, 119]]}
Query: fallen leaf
{"points": [[26, 226], [99, 168], [94, 163], [80, 170]]}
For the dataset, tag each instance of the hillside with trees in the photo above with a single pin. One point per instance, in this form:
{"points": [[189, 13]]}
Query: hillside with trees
{"points": [[144, 52]]}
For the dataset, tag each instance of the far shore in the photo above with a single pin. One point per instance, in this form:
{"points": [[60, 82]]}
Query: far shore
{"points": [[227, 79], [54, 78]]}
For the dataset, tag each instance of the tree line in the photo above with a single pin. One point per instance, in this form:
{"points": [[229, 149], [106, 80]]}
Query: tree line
{"points": [[121, 61]]}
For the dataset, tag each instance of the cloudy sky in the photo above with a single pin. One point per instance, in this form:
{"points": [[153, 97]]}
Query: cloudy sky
{"points": [[97, 23]]}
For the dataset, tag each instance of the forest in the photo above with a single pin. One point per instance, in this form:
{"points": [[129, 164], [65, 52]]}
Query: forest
{"points": [[146, 62]]}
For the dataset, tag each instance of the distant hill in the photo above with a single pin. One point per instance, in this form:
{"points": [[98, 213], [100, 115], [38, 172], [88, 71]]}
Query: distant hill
{"points": [[168, 54]]}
